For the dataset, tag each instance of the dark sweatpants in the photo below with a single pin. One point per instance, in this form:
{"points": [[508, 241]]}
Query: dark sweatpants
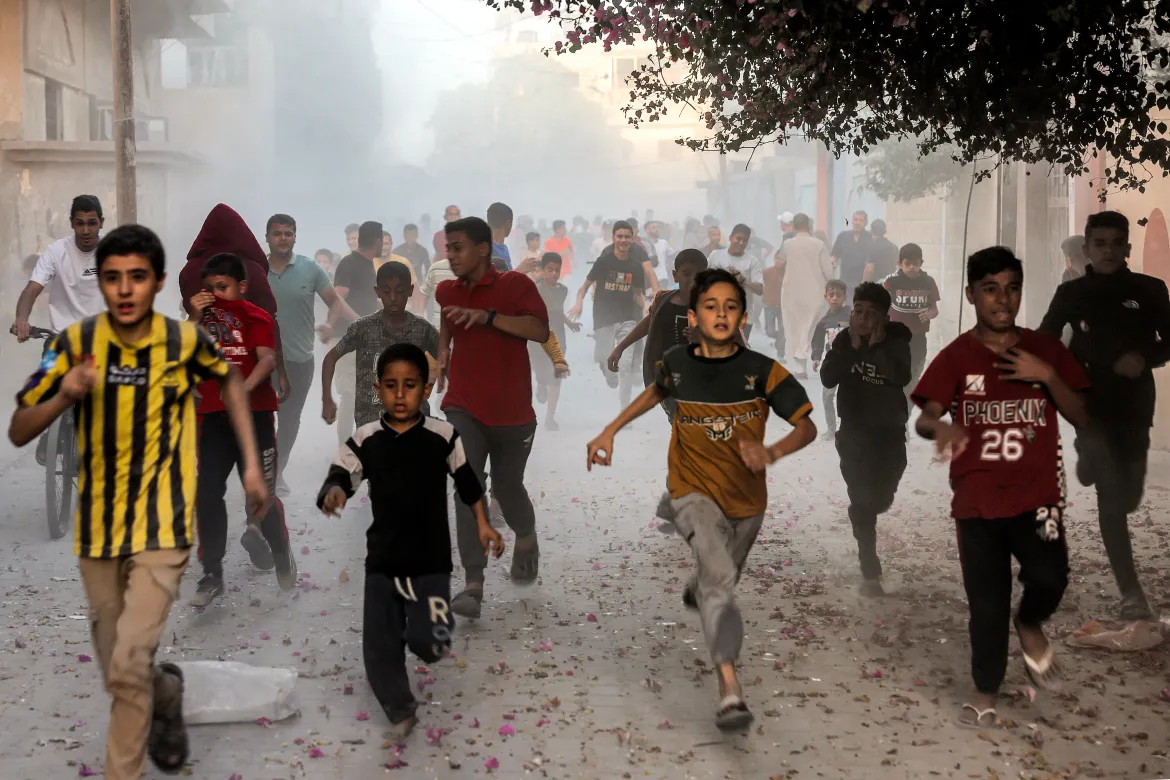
{"points": [[507, 447], [872, 462], [219, 454], [401, 612], [288, 419], [986, 548], [1115, 456]]}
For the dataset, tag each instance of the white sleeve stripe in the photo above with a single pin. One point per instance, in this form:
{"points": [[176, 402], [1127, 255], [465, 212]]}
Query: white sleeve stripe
{"points": [[440, 427], [347, 459], [457, 458]]}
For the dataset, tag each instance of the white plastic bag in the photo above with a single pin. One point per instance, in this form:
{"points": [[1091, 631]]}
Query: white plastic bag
{"points": [[232, 692]]}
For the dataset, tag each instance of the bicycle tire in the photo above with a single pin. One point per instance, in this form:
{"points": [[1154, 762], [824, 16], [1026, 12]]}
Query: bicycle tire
{"points": [[59, 467]]}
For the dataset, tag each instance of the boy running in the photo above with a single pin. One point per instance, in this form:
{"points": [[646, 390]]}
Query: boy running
{"points": [[247, 337], [915, 303], [131, 374], [666, 326], [1003, 386], [870, 363], [617, 306], [717, 461], [406, 456], [836, 319], [548, 374], [1120, 323], [371, 334]]}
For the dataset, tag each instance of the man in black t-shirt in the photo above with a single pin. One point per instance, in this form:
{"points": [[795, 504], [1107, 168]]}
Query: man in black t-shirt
{"points": [[618, 305], [883, 255], [355, 281], [851, 253]]}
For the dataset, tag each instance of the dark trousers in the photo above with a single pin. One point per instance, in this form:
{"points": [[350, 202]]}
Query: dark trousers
{"points": [[1115, 457], [986, 548], [507, 447], [401, 612], [872, 463], [288, 419], [917, 364], [219, 454], [774, 327]]}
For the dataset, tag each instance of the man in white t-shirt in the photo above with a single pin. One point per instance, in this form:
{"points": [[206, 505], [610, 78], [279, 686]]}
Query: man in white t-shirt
{"points": [[736, 258], [69, 271], [660, 248]]}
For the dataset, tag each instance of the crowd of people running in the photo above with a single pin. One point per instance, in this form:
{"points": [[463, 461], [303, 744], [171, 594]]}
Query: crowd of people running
{"points": [[166, 408]]}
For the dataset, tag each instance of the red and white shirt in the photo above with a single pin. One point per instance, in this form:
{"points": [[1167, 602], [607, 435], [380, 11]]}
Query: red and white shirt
{"points": [[1013, 462], [239, 328]]}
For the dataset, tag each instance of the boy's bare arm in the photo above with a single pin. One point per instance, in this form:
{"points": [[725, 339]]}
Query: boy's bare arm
{"points": [[803, 433], [266, 363], [235, 400], [29, 422]]}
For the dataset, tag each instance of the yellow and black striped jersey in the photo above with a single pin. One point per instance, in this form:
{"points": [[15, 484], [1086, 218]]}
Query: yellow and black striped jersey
{"points": [[720, 402], [135, 431]]}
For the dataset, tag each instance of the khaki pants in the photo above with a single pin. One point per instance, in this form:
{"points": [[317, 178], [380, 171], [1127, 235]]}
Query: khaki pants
{"points": [[129, 601]]}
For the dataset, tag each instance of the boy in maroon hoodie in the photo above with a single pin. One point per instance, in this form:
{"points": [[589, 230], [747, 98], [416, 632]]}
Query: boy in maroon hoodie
{"points": [[246, 335]]}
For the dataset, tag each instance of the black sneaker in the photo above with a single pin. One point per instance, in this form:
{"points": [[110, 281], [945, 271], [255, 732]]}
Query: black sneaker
{"points": [[258, 551], [208, 590], [286, 568]]}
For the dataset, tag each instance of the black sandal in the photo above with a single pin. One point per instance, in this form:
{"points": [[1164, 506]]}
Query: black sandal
{"points": [[732, 714], [525, 562], [168, 745]]}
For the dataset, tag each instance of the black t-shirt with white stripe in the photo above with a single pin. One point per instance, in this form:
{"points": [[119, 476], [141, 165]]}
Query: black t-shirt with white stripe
{"points": [[408, 492]]}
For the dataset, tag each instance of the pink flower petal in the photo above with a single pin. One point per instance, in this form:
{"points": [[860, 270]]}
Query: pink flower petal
{"points": [[305, 550], [507, 730], [475, 723], [434, 736], [262, 721], [509, 716], [591, 618], [363, 716], [542, 722], [396, 763], [85, 771], [264, 636], [348, 689], [491, 764], [665, 725], [316, 753], [83, 658]]}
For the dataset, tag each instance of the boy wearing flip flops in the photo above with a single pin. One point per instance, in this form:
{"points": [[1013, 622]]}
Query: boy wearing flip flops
{"points": [[1002, 386], [717, 460]]}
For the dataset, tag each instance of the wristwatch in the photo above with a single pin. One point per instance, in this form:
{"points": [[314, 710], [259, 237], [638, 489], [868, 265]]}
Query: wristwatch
{"points": [[491, 313]]}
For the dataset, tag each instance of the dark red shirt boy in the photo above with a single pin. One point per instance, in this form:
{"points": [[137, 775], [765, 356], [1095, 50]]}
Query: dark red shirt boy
{"points": [[240, 328], [489, 375], [1013, 462]]}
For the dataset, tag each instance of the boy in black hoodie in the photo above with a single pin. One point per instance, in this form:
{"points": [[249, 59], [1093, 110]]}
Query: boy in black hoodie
{"points": [[870, 365], [1120, 323]]}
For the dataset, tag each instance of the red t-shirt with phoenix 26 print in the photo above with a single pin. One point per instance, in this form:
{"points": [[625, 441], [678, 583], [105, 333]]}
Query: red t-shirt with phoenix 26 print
{"points": [[1013, 462], [240, 328]]}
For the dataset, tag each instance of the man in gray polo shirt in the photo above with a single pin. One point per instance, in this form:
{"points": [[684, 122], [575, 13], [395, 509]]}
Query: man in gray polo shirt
{"points": [[296, 281]]}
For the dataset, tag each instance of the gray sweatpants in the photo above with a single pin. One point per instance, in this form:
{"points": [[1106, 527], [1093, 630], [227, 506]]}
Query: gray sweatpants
{"points": [[629, 367], [721, 546]]}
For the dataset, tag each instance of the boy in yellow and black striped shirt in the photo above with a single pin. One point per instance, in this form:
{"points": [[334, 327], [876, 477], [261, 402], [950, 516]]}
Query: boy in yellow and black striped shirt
{"points": [[130, 374]]}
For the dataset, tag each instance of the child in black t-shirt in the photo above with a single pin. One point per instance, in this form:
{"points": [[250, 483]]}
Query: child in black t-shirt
{"points": [[836, 319], [666, 326], [914, 303], [407, 457]]}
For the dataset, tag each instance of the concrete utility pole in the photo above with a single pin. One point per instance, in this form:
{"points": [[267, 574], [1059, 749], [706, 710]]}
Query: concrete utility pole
{"points": [[125, 145]]}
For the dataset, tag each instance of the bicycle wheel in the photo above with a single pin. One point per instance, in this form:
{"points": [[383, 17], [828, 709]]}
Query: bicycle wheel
{"points": [[59, 468]]}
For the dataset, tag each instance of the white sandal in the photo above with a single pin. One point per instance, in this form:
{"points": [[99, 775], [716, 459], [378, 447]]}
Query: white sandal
{"points": [[979, 716], [1044, 673]]}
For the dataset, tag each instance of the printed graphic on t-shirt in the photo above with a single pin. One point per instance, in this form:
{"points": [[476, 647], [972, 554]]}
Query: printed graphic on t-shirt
{"points": [[619, 282], [911, 301], [831, 333]]}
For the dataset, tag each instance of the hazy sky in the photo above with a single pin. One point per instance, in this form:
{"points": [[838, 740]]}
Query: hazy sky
{"points": [[424, 47]]}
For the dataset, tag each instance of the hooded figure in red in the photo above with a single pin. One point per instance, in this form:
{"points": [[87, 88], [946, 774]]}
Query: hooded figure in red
{"points": [[225, 231]]}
